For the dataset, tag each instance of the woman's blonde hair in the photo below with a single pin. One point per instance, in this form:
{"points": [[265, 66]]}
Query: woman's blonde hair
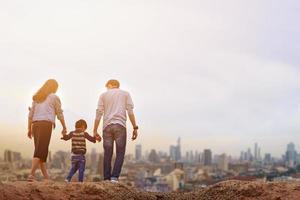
{"points": [[50, 86]]}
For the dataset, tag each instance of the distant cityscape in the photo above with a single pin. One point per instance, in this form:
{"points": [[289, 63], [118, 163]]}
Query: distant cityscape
{"points": [[161, 171]]}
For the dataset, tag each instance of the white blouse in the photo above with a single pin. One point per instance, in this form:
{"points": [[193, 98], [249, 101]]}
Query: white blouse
{"points": [[46, 110]]}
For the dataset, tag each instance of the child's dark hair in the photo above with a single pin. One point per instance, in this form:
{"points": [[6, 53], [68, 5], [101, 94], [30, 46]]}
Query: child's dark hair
{"points": [[81, 123]]}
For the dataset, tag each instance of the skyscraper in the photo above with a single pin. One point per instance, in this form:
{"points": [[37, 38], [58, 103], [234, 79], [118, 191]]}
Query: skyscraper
{"points": [[178, 149], [249, 156], [255, 151], [207, 157], [290, 155], [223, 162], [7, 156], [175, 151], [138, 152]]}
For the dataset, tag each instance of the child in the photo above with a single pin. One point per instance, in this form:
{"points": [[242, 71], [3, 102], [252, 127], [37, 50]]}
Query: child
{"points": [[78, 149]]}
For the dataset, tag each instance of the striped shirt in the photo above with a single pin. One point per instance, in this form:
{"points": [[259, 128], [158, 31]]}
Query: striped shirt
{"points": [[78, 141]]}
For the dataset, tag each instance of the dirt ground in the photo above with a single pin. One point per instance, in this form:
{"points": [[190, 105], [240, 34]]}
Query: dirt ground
{"points": [[228, 190]]}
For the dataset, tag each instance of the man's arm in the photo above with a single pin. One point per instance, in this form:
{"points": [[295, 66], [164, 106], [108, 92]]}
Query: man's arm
{"points": [[96, 125], [135, 127], [132, 119], [99, 113], [129, 108]]}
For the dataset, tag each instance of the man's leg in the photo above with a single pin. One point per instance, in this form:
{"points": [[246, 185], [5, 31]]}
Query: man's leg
{"points": [[72, 170], [108, 146], [81, 169], [120, 138]]}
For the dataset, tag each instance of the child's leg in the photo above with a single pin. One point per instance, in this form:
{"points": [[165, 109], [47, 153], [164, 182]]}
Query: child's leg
{"points": [[72, 170], [81, 169]]}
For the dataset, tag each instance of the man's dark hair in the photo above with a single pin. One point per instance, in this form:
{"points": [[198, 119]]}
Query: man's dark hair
{"points": [[81, 123], [113, 82]]}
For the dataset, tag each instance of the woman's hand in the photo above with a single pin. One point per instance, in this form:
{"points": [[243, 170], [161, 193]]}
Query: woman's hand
{"points": [[64, 131], [29, 134]]}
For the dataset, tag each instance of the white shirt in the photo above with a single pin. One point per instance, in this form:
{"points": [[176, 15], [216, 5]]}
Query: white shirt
{"points": [[113, 105], [46, 110]]}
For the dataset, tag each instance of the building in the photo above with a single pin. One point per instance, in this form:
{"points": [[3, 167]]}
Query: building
{"points": [[11, 156], [290, 155], [153, 157], [268, 159], [175, 151], [178, 150], [138, 152], [255, 151], [207, 155], [223, 162]]}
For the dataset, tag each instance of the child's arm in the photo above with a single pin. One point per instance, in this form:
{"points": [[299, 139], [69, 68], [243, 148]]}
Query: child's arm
{"points": [[89, 138], [67, 137]]}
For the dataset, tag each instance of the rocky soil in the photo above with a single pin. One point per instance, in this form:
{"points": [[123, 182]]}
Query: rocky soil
{"points": [[228, 190]]}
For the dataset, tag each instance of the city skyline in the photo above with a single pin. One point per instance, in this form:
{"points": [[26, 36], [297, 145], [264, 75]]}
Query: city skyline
{"points": [[176, 153]]}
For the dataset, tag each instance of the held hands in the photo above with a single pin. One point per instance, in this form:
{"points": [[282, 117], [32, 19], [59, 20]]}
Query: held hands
{"points": [[97, 137], [64, 131]]}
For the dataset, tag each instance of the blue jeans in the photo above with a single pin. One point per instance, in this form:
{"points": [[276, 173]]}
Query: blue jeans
{"points": [[113, 133], [78, 163]]}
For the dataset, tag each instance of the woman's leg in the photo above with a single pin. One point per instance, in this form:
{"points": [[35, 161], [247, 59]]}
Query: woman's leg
{"points": [[34, 166], [44, 170]]}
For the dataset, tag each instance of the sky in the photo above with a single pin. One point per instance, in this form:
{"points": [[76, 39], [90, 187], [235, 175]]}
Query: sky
{"points": [[219, 74]]}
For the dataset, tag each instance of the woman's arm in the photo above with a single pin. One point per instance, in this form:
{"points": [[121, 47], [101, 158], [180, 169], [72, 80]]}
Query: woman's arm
{"points": [[29, 133], [63, 124], [59, 114], [30, 116]]}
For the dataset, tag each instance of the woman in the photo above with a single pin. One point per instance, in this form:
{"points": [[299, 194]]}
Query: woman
{"points": [[45, 107]]}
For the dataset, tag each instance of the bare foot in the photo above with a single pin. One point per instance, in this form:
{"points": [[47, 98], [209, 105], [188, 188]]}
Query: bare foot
{"points": [[30, 178]]}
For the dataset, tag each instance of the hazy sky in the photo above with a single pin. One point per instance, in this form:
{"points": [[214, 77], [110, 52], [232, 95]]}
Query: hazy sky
{"points": [[219, 74]]}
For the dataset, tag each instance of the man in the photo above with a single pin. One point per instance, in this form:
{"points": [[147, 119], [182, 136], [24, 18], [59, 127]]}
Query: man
{"points": [[113, 105]]}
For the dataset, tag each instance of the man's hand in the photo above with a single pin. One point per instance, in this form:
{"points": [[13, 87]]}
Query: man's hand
{"points": [[29, 134], [134, 134], [97, 137]]}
